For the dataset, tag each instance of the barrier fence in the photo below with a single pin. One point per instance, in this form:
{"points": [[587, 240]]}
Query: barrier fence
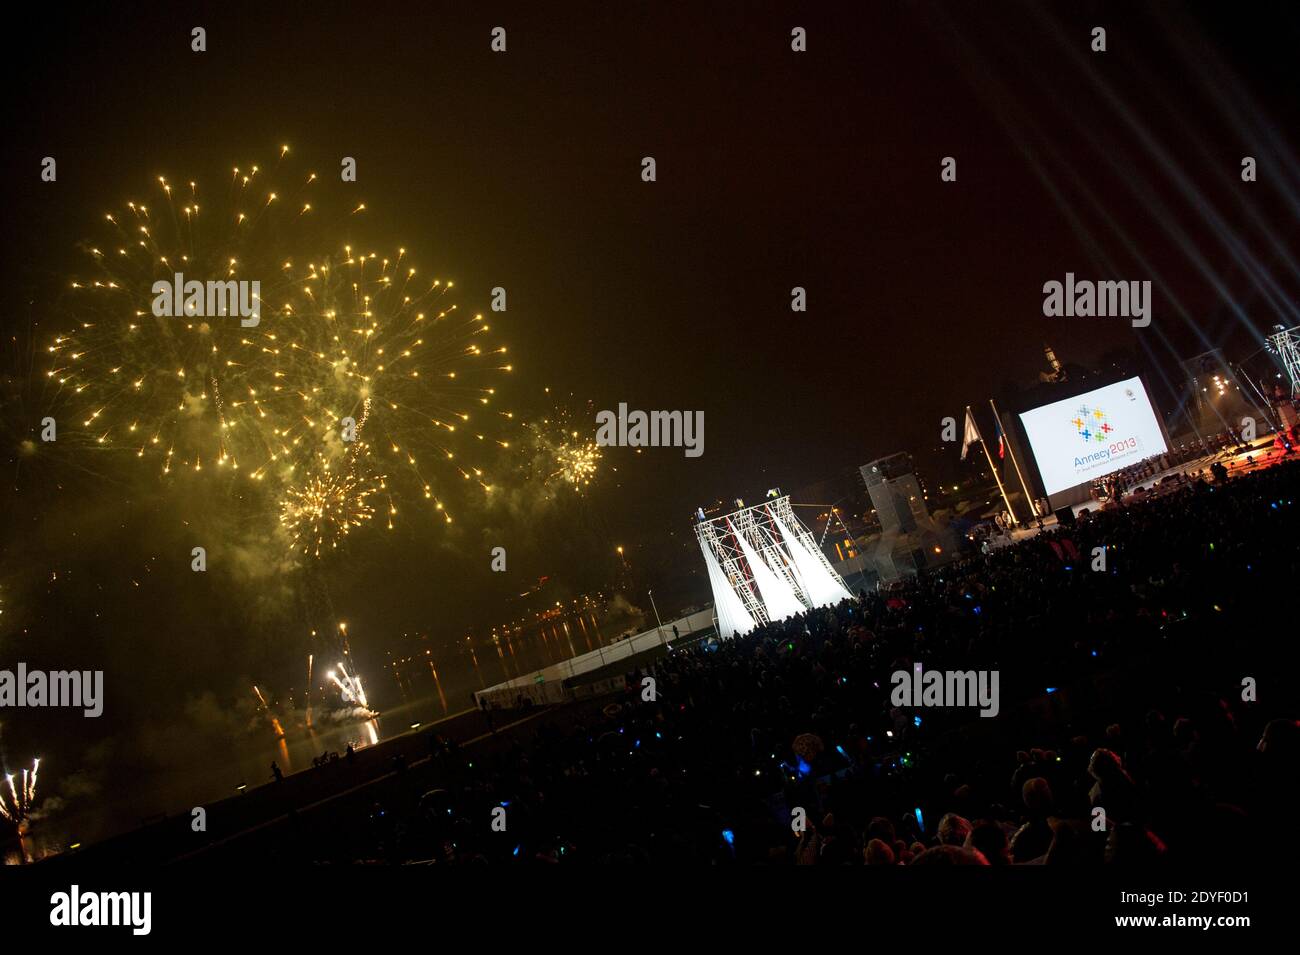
{"points": [[554, 684]]}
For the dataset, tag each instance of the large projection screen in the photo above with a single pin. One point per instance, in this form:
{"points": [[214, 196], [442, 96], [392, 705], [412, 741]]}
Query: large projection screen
{"points": [[1090, 435]]}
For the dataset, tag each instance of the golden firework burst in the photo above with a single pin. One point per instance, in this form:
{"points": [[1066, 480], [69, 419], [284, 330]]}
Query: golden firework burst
{"points": [[325, 336]]}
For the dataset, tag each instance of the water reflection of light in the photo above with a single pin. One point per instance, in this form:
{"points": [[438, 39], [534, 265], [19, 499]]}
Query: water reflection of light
{"points": [[438, 683], [310, 657], [477, 672]]}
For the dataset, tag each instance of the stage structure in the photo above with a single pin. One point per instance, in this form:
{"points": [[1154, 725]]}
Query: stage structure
{"points": [[1217, 394], [1285, 343], [764, 566]]}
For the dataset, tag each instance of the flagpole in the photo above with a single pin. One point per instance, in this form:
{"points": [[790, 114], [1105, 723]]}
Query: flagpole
{"points": [[1033, 508], [1006, 500]]}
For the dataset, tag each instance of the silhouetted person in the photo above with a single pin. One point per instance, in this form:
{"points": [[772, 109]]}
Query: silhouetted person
{"points": [[351, 755], [275, 771]]}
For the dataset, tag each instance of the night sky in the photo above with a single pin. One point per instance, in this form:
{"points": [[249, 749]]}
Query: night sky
{"points": [[775, 169]]}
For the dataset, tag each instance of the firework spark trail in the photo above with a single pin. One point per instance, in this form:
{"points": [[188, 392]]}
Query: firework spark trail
{"points": [[350, 687], [310, 656], [341, 335], [275, 721], [17, 809]]}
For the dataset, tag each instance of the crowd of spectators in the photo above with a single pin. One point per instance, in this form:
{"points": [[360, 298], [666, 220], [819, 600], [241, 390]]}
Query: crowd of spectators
{"points": [[1145, 716]]}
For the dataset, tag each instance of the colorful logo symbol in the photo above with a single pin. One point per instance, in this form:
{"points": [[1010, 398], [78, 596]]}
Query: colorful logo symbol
{"points": [[1091, 424]]}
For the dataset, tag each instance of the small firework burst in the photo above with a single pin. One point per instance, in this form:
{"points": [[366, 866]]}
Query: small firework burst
{"points": [[567, 453], [578, 460], [320, 513]]}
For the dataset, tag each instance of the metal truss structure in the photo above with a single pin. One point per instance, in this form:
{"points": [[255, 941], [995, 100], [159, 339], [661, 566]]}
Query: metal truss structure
{"points": [[770, 561], [1286, 343]]}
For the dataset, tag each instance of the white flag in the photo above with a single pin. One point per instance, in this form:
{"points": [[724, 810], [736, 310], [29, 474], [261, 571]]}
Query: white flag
{"points": [[971, 435]]}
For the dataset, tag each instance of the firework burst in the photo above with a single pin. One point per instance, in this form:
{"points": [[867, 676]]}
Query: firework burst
{"points": [[352, 363]]}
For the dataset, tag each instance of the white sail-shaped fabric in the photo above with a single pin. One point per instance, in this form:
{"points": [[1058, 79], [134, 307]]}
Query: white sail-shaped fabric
{"points": [[792, 570], [779, 599], [733, 618], [820, 587]]}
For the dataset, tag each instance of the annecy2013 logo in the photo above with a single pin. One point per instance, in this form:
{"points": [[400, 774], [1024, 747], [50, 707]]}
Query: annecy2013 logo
{"points": [[1091, 424]]}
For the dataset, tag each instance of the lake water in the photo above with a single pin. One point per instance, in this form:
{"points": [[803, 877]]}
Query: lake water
{"points": [[411, 691]]}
